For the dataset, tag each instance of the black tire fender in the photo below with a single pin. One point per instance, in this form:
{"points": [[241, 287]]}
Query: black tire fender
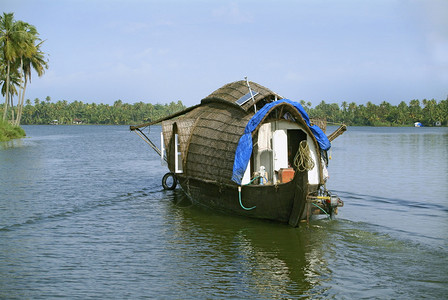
{"points": [[165, 181]]}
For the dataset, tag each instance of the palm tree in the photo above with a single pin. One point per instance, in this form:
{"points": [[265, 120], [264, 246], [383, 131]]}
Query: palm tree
{"points": [[37, 63], [11, 42], [344, 107], [18, 50], [14, 80], [16, 41]]}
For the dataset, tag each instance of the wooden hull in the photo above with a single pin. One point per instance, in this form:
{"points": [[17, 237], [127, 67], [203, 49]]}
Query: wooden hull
{"points": [[282, 203]]}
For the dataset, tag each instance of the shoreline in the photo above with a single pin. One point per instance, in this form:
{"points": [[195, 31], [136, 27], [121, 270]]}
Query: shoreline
{"points": [[10, 132]]}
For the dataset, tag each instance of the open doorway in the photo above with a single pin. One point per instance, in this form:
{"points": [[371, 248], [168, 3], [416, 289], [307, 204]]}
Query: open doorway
{"points": [[295, 136]]}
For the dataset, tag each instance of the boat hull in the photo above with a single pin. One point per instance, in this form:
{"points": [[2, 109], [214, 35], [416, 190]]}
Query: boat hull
{"points": [[282, 203]]}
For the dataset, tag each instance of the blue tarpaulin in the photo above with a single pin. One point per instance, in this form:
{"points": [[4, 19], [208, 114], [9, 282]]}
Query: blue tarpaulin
{"points": [[244, 148]]}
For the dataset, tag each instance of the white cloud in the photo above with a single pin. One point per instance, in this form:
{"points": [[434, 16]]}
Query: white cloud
{"points": [[231, 13], [135, 27]]}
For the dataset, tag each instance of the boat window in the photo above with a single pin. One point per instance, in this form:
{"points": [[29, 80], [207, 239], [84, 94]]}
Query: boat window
{"points": [[162, 149], [246, 98], [177, 155]]}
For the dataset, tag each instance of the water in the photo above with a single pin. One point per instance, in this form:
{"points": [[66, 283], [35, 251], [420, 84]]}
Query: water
{"points": [[83, 215]]}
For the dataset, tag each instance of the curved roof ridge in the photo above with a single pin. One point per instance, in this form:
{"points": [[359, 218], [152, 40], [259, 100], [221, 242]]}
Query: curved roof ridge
{"points": [[232, 92]]}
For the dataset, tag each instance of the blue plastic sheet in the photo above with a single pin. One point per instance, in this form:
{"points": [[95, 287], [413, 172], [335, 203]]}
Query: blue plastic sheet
{"points": [[244, 148]]}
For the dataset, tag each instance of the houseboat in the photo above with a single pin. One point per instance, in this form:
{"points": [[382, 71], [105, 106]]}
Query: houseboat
{"points": [[246, 150]]}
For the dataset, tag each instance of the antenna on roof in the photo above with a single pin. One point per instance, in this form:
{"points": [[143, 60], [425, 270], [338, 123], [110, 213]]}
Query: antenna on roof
{"points": [[251, 94]]}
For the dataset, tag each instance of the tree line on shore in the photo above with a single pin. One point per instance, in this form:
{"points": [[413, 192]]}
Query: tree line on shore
{"points": [[428, 112], [64, 113]]}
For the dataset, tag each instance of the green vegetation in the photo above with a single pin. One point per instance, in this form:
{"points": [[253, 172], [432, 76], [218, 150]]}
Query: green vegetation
{"points": [[9, 131], [20, 53], [385, 114], [77, 112], [429, 112]]}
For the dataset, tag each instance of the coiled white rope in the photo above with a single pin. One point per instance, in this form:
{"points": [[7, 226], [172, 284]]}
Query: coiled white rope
{"points": [[303, 160]]}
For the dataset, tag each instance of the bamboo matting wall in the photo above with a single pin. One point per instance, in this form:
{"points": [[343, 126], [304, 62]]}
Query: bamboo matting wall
{"points": [[213, 141]]}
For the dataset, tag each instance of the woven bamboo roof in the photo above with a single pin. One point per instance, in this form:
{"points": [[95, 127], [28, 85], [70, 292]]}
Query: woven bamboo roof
{"points": [[233, 91]]}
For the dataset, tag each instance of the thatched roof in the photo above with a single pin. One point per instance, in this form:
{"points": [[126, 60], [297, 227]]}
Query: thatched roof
{"points": [[233, 91]]}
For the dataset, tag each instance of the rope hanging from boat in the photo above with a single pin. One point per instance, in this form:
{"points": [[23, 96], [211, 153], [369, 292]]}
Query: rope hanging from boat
{"points": [[303, 160]]}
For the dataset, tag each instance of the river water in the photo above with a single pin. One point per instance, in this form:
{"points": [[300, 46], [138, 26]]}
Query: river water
{"points": [[83, 216]]}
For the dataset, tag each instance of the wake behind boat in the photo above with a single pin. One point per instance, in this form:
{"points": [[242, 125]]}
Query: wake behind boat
{"points": [[246, 150]]}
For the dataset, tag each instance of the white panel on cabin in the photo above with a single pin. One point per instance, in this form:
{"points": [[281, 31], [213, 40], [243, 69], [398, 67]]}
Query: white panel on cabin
{"points": [[313, 174], [264, 137], [264, 155], [246, 176], [280, 147]]}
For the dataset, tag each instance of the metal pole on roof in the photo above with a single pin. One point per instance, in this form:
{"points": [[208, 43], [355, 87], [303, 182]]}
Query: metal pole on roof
{"points": [[251, 94]]}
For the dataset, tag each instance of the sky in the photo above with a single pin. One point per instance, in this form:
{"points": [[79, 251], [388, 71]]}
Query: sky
{"points": [[158, 51]]}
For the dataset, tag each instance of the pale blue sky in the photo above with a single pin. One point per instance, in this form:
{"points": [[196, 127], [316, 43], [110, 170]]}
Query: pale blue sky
{"points": [[162, 51]]}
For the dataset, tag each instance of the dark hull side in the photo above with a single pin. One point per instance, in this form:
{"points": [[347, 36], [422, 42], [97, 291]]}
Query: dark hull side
{"points": [[283, 203]]}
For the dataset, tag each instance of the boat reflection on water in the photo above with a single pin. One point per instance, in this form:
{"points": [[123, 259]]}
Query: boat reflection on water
{"points": [[269, 259]]}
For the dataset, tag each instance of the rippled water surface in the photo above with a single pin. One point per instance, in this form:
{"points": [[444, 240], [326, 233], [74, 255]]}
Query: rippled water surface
{"points": [[83, 215]]}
